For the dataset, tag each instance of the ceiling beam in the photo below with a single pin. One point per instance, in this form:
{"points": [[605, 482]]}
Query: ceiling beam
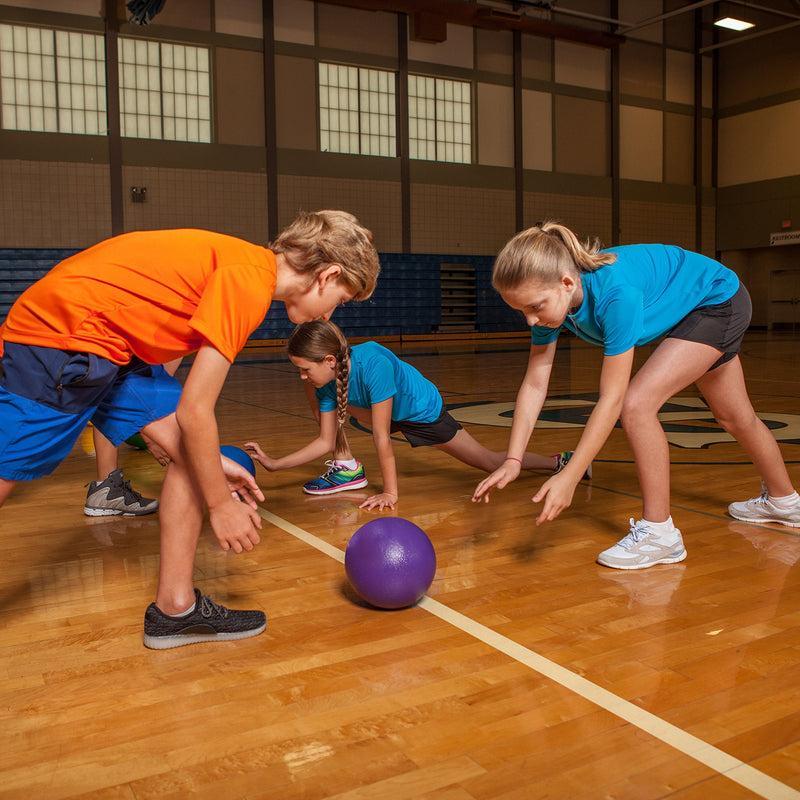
{"points": [[480, 16]]}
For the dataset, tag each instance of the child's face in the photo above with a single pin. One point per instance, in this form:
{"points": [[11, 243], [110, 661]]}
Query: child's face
{"points": [[320, 299], [317, 373], [545, 304]]}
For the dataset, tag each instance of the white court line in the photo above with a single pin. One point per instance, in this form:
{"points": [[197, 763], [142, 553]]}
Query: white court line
{"points": [[714, 758]]}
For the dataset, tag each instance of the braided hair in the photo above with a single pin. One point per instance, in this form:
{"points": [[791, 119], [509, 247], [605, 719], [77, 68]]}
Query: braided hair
{"points": [[316, 340]]}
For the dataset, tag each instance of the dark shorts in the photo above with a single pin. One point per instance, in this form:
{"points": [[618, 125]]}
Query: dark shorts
{"points": [[721, 326], [421, 434], [48, 395]]}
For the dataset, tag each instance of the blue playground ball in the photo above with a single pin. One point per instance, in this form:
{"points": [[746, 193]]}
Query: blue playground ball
{"points": [[390, 562], [240, 456]]}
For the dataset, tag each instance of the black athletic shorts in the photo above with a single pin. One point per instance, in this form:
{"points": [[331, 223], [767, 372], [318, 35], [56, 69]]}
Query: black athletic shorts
{"points": [[722, 326], [420, 434]]}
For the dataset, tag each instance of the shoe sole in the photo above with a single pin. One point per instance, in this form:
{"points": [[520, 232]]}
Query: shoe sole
{"points": [[168, 642], [345, 487], [665, 560], [757, 520], [116, 512]]}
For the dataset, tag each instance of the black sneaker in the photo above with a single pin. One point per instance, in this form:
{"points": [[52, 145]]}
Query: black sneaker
{"points": [[208, 622], [114, 496]]}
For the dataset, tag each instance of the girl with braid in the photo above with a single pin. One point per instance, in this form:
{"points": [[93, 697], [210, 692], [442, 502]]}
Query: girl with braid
{"points": [[387, 394], [621, 298]]}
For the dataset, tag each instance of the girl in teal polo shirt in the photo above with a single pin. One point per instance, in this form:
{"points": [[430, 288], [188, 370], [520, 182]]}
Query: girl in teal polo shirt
{"points": [[621, 298]]}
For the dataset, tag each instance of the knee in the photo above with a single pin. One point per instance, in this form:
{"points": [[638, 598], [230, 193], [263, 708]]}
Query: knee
{"points": [[738, 424], [634, 408]]}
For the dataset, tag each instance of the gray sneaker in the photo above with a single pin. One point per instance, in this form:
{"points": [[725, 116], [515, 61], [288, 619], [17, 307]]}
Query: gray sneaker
{"points": [[114, 496], [209, 622], [643, 547], [762, 509]]}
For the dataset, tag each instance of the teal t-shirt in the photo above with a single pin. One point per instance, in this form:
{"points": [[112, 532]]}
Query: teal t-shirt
{"points": [[376, 374], [645, 293]]}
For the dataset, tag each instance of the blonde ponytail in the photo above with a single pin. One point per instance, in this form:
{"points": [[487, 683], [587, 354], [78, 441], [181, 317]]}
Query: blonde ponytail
{"points": [[544, 253]]}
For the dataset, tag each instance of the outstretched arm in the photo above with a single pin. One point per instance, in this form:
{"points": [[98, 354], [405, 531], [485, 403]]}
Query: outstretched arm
{"points": [[557, 491], [530, 399], [318, 448]]}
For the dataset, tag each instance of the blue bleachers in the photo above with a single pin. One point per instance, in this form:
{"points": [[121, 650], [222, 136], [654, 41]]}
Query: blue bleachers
{"points": [[407, 300]]}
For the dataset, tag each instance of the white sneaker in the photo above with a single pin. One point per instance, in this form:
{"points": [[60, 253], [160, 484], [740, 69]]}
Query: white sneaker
{"points": [[643, 547], [762, 509]]}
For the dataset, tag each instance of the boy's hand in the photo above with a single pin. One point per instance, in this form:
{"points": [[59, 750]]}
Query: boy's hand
{"points": [[241, 483], [380, 501], [259, 455], [234, 524], [557, 494], [508, 471]]}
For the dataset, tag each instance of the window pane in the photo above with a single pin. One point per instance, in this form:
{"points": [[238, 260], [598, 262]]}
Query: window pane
{"points": [[359, 104]]}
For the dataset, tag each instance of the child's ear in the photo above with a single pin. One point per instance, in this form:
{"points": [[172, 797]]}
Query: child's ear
{"points": [[331, 272]]}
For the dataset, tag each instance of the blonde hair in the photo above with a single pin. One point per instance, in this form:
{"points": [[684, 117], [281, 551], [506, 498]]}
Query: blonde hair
{"points": [[544, 253], [316, 340], [319, 238]]}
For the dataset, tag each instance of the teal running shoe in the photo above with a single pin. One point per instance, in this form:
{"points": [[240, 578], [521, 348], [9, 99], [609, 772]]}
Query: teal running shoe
{"points": [[337, 479]]}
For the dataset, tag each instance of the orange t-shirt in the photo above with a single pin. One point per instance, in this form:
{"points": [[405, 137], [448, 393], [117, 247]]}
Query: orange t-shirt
{"points": [[152, 294]]}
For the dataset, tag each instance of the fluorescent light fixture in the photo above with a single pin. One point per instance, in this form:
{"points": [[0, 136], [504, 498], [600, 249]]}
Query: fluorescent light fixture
{"points": [[733, 24]]}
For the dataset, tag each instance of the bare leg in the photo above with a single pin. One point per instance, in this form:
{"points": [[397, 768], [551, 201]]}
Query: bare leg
{"points": [[5, 489], [725, 390], [468, 450], [465, 448], [181, 515], [106, 454], [673, 366]]}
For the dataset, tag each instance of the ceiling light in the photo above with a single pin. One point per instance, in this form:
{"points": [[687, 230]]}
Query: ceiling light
{"points": [[733, 24]]}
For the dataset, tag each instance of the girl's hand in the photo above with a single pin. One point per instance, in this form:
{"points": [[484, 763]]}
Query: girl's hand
{"points": [[259, 455], [557, 494], [235, 525], [508, 471], [380, 501]]}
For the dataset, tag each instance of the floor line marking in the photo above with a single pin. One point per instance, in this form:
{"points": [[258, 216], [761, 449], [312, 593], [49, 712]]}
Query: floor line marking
{"points": [[692, 746]]}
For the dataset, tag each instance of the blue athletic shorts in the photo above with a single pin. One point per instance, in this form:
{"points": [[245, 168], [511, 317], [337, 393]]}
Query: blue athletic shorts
{"points": [[47, 396]]}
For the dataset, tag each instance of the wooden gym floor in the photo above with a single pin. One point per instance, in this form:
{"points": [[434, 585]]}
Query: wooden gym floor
{"points": [[528, 672]]}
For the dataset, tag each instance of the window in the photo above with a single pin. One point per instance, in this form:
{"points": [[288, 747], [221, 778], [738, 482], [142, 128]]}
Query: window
{"points": [[52, 81], [164, 91], [439, 119], [357, 110]]}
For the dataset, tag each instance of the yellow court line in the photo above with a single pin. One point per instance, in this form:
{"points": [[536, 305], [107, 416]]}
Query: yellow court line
{"points": [[758, 782]]}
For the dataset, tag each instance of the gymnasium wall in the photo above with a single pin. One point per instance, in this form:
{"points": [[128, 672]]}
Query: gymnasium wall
{"points": [[56, 186]]}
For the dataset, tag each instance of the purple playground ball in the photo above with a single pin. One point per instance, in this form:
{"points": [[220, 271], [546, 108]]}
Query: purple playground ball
{"points": [[390, 562]]}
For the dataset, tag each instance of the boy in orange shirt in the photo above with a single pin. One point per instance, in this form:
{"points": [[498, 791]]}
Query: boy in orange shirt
{"points": [[87, 342]]}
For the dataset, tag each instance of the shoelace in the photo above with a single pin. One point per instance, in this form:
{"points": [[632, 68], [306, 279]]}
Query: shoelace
{"points": [[333, 468], [130, 494], [762, 499], [637, 533], [208, 607]]}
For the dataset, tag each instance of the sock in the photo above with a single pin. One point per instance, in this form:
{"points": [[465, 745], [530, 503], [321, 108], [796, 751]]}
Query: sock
{"points": [[186, 613], [347, 463], [786, 502], [660, 528]]}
